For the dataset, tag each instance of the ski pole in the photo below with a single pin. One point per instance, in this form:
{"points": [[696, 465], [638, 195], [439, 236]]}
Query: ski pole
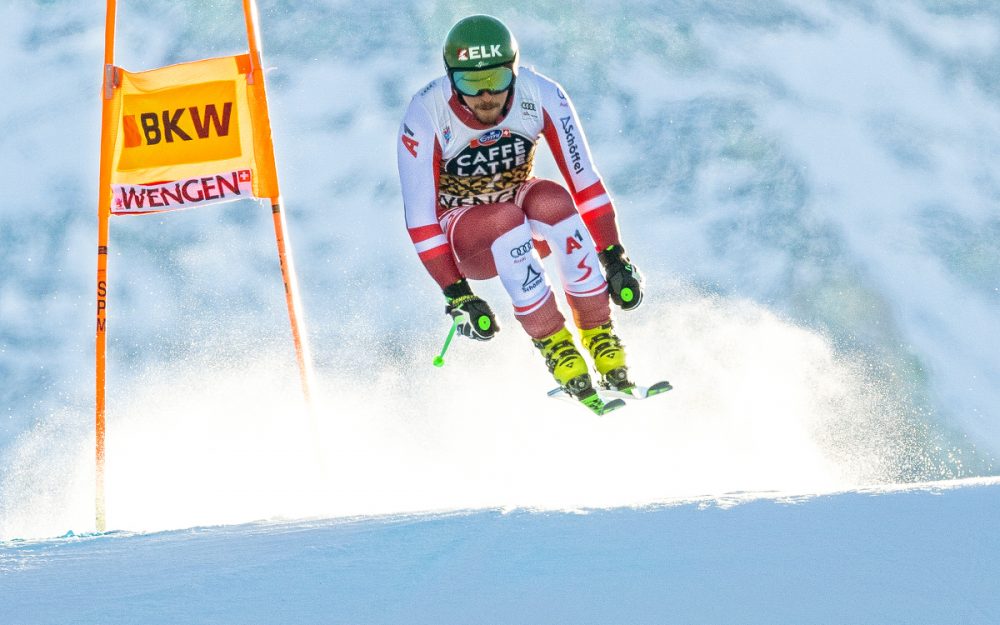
{"points": [[439, 359]]}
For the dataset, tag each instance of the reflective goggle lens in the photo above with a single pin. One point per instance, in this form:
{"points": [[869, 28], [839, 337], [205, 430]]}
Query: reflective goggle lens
{"points": [[474, 82]]}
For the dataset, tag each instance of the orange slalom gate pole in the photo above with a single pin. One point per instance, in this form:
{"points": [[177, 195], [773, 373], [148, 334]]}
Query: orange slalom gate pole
{"points": [[103, 214], [302, 356]]}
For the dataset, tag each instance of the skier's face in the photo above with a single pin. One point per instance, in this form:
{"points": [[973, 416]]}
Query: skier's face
{"points": [[487, 107]]}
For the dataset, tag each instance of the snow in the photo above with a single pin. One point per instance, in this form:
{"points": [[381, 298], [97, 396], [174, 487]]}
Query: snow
{"points": [[923, 554]]}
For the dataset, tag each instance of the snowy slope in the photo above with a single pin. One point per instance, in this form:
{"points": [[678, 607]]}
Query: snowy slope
{"points": [[927, 555]]}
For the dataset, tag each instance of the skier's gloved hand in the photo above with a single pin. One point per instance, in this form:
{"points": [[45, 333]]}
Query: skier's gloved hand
{"points": [[624, 280], [475, 319]]}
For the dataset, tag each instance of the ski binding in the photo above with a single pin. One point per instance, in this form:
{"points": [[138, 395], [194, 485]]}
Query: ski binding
{"points": [[611, 399], [595, 403]]}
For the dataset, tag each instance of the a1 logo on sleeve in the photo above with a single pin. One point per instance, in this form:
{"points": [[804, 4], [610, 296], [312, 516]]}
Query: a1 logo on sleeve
{"points": [[408, 141], [574, 243]]}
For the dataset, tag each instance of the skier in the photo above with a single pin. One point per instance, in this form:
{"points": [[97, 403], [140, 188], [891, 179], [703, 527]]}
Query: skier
{"points": [[474, 211]]}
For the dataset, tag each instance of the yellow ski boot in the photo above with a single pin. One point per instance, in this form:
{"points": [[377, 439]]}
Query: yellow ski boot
{"points": [[609, 356], [566, 364]]}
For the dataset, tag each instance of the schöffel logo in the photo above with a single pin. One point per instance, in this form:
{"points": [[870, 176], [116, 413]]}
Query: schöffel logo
{"points": [[574, 149], [520, 251], [531, 280], [479, 52], [489, 138]]}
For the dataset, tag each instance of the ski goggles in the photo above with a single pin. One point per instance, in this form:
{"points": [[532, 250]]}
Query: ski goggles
{"points": [[477, 81]]}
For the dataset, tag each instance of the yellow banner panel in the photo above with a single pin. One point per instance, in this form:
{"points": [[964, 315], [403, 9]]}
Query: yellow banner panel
{"points": [[266, 183], [189, 124], [186, 136]]}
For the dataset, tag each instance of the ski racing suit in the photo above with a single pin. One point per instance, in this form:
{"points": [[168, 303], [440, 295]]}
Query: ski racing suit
{"points": [[474, 210]]}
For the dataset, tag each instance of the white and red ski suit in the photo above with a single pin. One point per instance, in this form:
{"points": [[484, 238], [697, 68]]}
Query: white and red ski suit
{"points": [[474, 210]]}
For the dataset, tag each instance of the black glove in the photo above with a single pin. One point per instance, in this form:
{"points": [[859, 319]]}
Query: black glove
{"points": [[475, 319], [624, 280]]}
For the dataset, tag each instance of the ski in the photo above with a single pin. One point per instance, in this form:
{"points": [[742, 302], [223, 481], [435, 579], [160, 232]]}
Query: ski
{"points": [[639, 392], [609, 400], [595, 403]]}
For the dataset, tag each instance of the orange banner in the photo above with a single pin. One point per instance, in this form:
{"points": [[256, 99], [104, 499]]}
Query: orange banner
{"points": [[189, 135]]}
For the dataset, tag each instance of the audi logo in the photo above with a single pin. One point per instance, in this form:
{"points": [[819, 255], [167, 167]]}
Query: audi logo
{"points": [[518, 252]]}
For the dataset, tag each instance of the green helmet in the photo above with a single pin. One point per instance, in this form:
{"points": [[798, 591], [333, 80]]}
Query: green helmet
{"points": [[479, 42]]}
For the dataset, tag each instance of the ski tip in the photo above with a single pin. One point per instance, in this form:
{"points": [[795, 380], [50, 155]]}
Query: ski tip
{"points": [[659, 387], [611, 406]]}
